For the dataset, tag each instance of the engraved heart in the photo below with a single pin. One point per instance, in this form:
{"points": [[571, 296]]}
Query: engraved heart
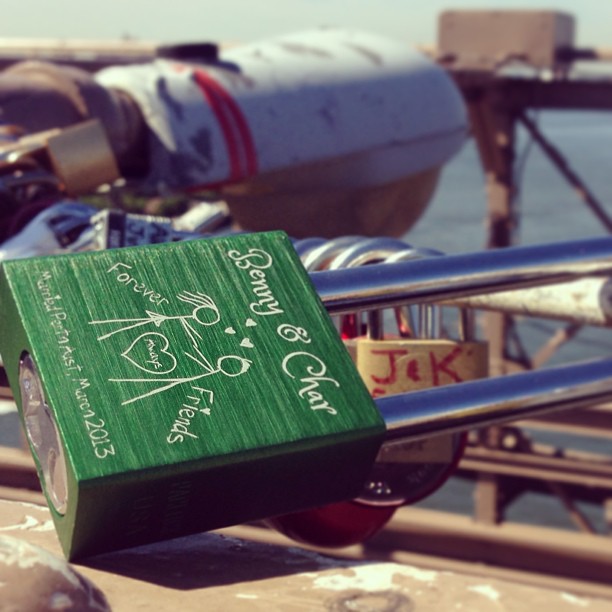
{"points": [[230, 330], [206, 411], [246, 342], [149, 352], [250, 323]]}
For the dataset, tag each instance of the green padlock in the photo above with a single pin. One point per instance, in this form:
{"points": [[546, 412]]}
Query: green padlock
{"points": [[176, 388]]}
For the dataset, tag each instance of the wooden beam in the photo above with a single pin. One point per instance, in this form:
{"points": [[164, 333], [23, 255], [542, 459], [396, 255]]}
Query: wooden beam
{"points": [[518, 94]]}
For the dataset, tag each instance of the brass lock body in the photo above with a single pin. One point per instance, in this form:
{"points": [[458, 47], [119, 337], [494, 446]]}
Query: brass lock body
{"points": [[79, 157]]}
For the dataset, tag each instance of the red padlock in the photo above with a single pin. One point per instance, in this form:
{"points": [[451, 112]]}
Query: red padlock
{"points": [[404, 473]]}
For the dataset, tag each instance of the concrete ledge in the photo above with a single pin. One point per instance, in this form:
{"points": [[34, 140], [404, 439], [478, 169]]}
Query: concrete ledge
{"points": [[222, 572]]}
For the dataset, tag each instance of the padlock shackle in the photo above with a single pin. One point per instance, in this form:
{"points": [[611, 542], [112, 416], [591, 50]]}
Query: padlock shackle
{"points": [[434, 279], [492, 401]]}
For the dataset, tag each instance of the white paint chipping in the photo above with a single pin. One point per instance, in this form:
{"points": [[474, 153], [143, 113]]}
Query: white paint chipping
{"points": [[486, 590], [29, 523], [372, 577], [46, 526], [572, 599], [60, 601]]}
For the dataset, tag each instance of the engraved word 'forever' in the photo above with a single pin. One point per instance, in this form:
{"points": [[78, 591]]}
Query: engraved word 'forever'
{"points": [[124, 276]]}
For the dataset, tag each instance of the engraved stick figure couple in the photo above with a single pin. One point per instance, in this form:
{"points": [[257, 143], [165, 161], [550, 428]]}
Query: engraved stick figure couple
{"points": [[204, 313]]}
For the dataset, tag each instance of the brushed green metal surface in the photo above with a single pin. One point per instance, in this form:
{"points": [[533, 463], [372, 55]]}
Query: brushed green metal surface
{"points": [[194, 385]]}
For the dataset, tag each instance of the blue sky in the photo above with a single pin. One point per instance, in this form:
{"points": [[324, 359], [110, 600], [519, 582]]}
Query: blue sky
{"points": [[245, 20]]}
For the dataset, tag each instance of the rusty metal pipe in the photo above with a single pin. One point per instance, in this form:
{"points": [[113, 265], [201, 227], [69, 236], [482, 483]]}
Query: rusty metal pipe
{"points": [[445, 410], [587, 301]]}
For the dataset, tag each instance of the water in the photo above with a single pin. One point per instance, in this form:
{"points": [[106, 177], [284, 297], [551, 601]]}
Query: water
{"points": [[549, 212]]}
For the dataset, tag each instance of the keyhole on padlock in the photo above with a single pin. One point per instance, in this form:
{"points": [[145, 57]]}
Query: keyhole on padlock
{"points": [[41, 431]]}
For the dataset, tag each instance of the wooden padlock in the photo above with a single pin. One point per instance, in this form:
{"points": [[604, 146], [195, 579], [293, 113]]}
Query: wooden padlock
{"points": [[176, 388], [407, 472]]}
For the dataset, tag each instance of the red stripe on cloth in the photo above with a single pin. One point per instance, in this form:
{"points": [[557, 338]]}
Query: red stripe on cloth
{"points": [[203, 82], [236, 132]]}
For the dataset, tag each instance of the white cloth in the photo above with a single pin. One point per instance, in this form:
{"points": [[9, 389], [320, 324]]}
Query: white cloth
{"points": [[321, 95]]}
